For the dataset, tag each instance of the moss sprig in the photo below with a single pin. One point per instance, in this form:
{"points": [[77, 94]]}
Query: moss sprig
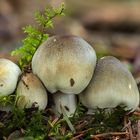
{"points": [[35, 35]]}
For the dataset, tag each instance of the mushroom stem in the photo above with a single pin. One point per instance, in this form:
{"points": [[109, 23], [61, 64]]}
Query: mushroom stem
{"points": [[6, 108], [64, 102]]}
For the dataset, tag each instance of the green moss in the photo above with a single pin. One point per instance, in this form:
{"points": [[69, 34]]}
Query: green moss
{"points": [[35, 35]]}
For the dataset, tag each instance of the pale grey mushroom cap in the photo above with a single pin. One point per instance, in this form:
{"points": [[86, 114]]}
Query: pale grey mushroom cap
{"points": [[9, 73], [64, 63], [30, 90], [112, 85]]}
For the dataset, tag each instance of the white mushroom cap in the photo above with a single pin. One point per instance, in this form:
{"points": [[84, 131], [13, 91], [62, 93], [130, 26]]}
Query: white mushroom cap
{"points": [[9, 73], [112, 85], [67, 101], [30, 90], [64, 63]]}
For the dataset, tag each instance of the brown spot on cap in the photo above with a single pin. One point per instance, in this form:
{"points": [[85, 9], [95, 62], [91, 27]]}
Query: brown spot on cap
{"points": [[72, 82], [66, 108], [1, 85]]}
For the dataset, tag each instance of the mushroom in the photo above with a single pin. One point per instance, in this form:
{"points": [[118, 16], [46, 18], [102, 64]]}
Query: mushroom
{"points": [[112, 85], [65, 64], [31, 91], [9, 73]]}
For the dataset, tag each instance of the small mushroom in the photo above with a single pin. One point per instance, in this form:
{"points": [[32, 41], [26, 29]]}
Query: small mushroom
{"points": [[112, 85], [30, 91], [65, 64], [9, 73]]}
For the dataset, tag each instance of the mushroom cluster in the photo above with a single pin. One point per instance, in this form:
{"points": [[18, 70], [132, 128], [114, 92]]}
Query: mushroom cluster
{"points": [[65, 66]]}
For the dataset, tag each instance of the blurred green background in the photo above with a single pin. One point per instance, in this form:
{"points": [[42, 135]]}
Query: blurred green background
{"points": [[112, 27]]}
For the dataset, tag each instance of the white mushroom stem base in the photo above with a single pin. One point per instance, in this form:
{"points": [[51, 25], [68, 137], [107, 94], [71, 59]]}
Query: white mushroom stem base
{"points": [[94, 110], [6, 108], [64, 102]]}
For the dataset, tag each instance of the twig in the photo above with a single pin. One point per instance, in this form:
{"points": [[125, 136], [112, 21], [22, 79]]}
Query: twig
{"points": [[76, 137], [80, 134], [137, 110], [138, 126], [96, 138], [55, 121], [81, 125], [84, 131], [137, 113], [108, 134], [129, 129]]}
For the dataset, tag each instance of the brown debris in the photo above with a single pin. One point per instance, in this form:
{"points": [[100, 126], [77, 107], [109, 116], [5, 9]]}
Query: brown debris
{"points": [[105, 135]]}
